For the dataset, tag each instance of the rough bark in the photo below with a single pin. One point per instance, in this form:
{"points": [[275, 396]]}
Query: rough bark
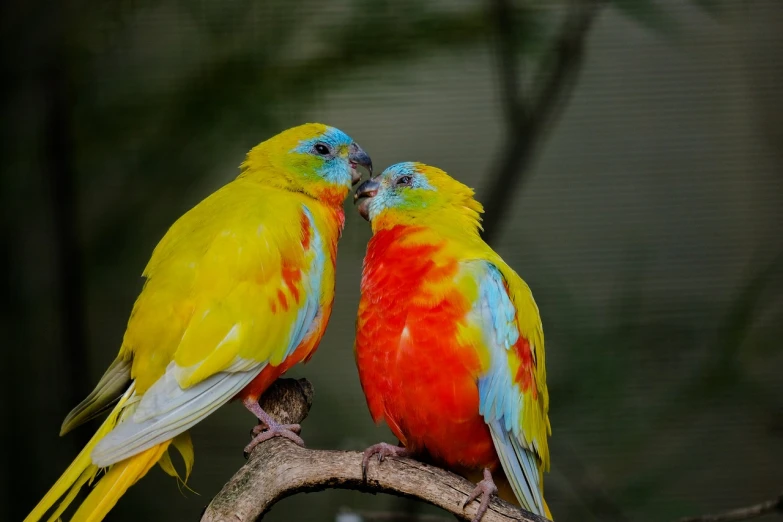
{"points": [[278, 468]]}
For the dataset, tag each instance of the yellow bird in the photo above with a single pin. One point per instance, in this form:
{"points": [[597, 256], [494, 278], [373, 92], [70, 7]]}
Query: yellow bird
{"points": [[238, 290]]}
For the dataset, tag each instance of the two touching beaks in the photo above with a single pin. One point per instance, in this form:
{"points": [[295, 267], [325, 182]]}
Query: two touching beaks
{"points": [[155, 393]]}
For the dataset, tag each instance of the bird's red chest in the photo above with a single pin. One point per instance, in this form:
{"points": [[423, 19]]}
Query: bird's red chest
{"points": [[416, 373]]}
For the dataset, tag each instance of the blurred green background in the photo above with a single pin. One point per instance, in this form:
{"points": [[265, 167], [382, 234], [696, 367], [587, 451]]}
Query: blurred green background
{"points": [[629, 153]]}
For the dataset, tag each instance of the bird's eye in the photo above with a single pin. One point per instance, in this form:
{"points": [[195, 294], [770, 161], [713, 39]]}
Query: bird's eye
{"points": [[404, 180], [322, 149]]}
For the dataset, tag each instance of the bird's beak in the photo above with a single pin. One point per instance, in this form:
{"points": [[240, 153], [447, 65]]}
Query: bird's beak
{"points": [[358, 158], [364, 193]]}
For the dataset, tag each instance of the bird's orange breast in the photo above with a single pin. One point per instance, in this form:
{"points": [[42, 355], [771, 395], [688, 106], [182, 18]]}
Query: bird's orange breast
{"points": [[416, 373]]}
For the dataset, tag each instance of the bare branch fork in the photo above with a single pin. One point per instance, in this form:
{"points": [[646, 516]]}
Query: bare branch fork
{"points": [[279, 468], [757, 510], [527, 116]]}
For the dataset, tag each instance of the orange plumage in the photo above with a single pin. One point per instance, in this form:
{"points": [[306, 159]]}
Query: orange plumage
{"points": [[416, 374], [449, 342]]}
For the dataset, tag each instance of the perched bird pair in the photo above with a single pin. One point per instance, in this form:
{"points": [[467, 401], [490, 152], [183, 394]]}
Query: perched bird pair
{"points": [[449, 342]]}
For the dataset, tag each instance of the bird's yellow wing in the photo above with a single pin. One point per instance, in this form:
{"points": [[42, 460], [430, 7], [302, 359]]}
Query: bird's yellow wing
{"points": [[513, 397], [235, 284]]}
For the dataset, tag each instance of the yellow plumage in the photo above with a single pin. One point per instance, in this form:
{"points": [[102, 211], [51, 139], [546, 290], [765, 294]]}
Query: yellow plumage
{"points": [[236, 281], [239, 289]]}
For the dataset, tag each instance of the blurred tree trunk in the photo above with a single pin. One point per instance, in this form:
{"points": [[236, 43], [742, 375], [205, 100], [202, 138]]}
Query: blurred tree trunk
{"points": [[44, 84], [529, 115], [62, 186]]}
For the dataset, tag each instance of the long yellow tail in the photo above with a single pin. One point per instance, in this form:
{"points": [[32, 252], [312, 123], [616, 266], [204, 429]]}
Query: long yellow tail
{"points": [[109, 488], [116, 482], [547, 512]]}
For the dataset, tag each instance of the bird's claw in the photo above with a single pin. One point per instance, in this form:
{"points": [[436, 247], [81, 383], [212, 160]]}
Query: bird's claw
{"points": [[383, 450], [484, 489], [262, 433], [261, 428]]}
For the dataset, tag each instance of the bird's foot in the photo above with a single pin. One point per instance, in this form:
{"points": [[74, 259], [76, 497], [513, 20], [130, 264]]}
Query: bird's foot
{"points": [[383, 450], [269, 428], [263, 433], [484, 489], [260, 428]]}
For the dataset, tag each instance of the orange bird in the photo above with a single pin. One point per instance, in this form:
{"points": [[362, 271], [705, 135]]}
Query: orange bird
{"points": [[449, 342]]}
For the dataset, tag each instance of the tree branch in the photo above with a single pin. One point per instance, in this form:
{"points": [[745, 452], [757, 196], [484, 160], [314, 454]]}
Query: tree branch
{"points": [[278, 468], [756, 510], [502, 17], [65, 234], [527, 120], [388, 516]]}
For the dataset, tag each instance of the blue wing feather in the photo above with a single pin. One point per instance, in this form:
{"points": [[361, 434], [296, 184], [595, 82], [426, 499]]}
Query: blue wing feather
{"points": [[307, 314], [500, 398]]}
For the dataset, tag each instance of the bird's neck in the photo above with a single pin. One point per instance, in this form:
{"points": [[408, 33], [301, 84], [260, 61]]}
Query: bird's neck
{"points": [[326, 193], [446, 223]]}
